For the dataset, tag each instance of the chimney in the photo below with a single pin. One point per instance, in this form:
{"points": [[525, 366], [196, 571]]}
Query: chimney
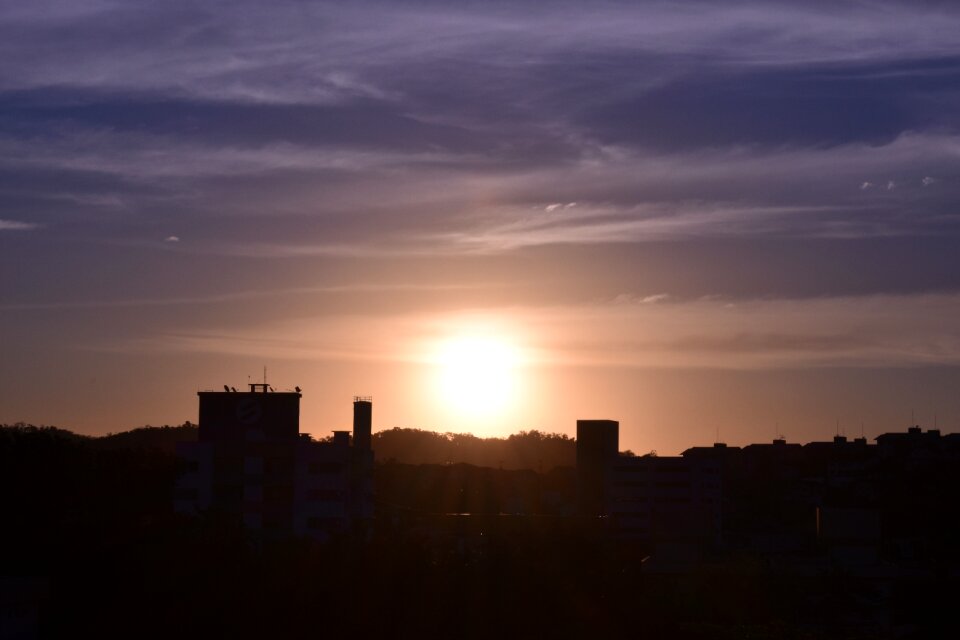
{"points": [[362, 422]]}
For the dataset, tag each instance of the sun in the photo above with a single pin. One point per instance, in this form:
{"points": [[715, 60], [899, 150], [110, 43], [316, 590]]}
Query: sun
{"points": [[477, 376]]}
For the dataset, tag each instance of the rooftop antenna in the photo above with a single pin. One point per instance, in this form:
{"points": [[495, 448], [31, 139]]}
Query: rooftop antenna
{"points": [[264, 374]]}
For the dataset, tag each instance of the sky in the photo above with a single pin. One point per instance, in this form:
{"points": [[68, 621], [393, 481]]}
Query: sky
{"points": [[705, 220]]}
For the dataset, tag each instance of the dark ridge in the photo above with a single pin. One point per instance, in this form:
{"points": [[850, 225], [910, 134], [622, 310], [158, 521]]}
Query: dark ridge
{"points": [[525, 450], [163, 438]]}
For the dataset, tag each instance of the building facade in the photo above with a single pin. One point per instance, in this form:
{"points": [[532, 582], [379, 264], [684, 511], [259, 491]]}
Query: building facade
{"points": [[252, 464], [648, 498]]}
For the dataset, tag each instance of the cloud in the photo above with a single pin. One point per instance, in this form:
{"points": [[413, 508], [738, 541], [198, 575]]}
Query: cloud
{"points": [[559, 205], [252, 52], [16, 225], [326, 202], [877, 331], [322, 134], [150, 157], [757, 334], [927, 181], [323, 115], [629, 298], [172, 239], [891, 185], [866, 185], [241, 296]]}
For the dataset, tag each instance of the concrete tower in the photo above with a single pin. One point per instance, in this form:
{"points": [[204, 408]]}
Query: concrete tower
{"points": [[362, 422], [598, 443]]}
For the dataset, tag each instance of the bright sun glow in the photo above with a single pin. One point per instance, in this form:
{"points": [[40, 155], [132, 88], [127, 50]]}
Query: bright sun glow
{"points": [[477, 376]]}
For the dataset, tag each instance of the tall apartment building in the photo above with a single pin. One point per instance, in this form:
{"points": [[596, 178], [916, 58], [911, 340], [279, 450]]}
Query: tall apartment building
{"points": [[252, 463]]}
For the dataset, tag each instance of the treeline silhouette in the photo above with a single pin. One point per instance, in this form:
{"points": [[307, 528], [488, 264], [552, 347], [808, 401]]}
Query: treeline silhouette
{"points": [[424, 471], [163, 438], [54, 483], [525, 450]]}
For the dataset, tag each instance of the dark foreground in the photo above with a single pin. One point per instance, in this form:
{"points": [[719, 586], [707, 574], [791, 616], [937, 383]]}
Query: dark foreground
{"points": [[92, 548]]}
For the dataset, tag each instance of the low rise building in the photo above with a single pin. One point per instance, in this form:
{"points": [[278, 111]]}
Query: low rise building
{"points": [[649, 498]]}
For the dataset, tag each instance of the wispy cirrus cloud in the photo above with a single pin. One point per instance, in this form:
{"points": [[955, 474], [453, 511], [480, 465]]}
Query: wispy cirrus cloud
{"points": [[351, 120], [240, 296], [154, 158], [251, 51], [17, 225], [860, 331]]}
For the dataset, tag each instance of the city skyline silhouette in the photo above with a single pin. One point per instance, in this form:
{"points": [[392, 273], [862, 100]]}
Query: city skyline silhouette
{"points": [[790, 525]]}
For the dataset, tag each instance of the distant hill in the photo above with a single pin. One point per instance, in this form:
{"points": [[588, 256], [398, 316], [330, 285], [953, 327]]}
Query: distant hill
{"points": [[55, 484], [163, 438], [525, 450], [21, 434]]}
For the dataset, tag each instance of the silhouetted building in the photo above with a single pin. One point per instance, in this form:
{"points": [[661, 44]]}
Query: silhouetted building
{"points": [[362, 422], [791, 502], [597, 451], [251, 463], [667, 499], [850, 535], [653, 499], [919, 447]]}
